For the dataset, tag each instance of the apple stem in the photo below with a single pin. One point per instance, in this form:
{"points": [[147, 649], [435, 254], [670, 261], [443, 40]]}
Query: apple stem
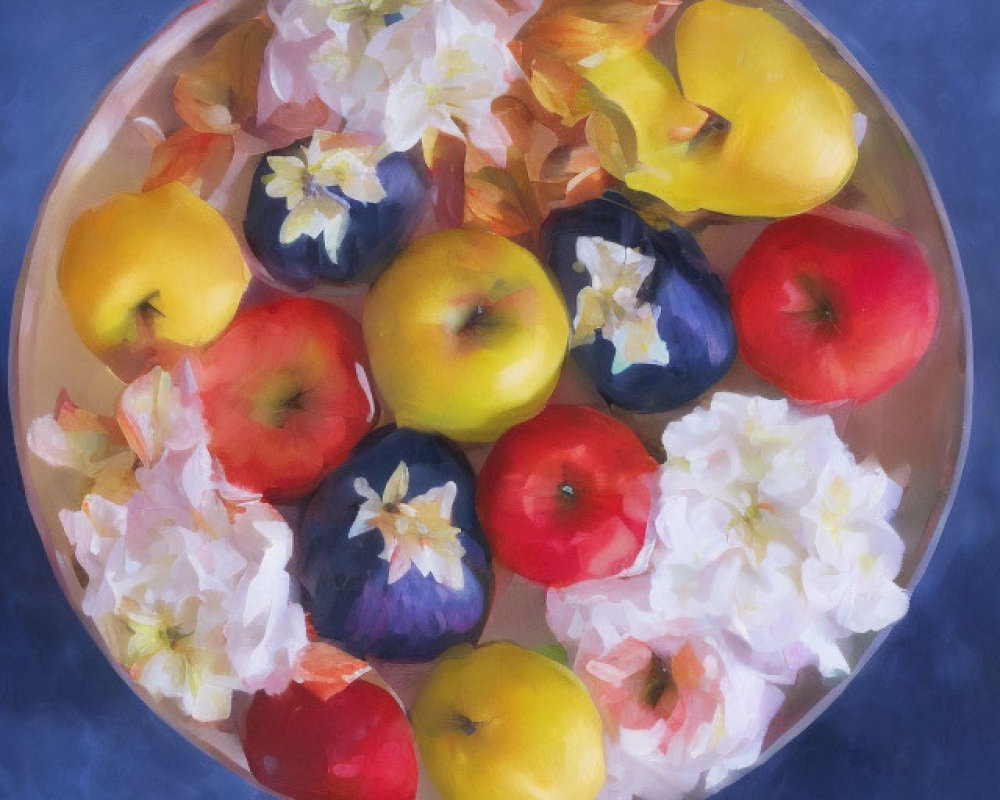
{"points": [[294, 402], [145, 314], [823, 311], [716, 124], [566, 491], [466, 725], [473, 320]]}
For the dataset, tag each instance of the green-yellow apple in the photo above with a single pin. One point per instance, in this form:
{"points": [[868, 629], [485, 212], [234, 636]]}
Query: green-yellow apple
{"points": [[157, 267], [500, 722], [754, 129], [467, 333]]}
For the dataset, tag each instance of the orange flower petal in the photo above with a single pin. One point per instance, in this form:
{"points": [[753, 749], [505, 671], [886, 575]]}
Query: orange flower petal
{"points": [[447, 164], [555, 84], [581, 30], [549, 164], [219, 93], [492, 202], [612, 137], [326, 670], [198, 160]]}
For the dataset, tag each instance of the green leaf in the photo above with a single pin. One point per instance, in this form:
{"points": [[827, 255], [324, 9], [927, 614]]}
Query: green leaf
{"points": [[556, 652]]}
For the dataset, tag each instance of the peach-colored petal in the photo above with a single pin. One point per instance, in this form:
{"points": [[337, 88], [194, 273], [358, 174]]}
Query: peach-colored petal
{"points": [[555, 84], [75, 438], [495, 201], [290, 122], [219, 93], [196, 159], [73, 419], [549, 165], [612, 137], [583, 31], [326, 670]]}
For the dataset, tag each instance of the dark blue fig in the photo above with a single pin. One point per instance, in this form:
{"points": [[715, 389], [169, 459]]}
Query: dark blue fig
{"points": [[346, 580], [693, 319], [375, 231]]}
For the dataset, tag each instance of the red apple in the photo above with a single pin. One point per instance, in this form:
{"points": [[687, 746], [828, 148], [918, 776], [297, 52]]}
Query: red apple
{"points": [[286, 395], [357, 745], [832, 309], [565, 496]]}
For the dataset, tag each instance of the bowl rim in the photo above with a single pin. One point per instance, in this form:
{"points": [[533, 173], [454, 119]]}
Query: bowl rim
{"points": [[943, 510], [199, 14], [202, 14]]}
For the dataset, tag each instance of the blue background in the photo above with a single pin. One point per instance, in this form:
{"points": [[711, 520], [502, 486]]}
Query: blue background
{"points": [[921, 721]]}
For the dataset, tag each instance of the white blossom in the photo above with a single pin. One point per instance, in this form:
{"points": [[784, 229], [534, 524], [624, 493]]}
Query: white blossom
{"points": [[417, 532], [436, 69], [304, 179], [445, 67], [187, 578], [768, 529], [768, 544], [611, 303]]}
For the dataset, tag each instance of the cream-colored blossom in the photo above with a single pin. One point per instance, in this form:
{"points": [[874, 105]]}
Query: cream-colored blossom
{"points": [[436, 69], [367, 11], [769, 529], [611, 303], [187, 575], [417, 532], [445, 67], [304, 181]]}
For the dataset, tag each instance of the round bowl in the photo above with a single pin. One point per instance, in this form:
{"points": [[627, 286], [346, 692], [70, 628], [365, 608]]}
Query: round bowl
{"points": [[918, 430]]}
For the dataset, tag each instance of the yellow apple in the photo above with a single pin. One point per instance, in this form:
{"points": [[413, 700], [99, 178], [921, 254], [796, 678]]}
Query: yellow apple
{"points": [[500, 722], [161, 266], [780, 136], [467, 333]]}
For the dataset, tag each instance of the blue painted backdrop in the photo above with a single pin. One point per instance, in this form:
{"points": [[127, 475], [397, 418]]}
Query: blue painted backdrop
{"points": [[922, 720]]}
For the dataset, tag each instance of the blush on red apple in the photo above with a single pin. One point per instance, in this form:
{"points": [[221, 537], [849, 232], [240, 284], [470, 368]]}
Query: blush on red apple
{"points": [[286, 395], [356, 745], [565, 496], [831, 309]]}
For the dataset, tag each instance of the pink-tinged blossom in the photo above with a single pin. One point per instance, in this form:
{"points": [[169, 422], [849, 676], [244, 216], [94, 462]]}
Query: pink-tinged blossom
{"points": [[401, 72], [676, 708], [187, 578]]}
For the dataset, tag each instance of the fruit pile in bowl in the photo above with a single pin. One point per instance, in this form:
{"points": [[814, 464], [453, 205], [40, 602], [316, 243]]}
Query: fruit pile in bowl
{"points": [[543, 399]]}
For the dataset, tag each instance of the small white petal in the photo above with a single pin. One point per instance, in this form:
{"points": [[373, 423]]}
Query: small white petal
{"points": [[610, 304]]}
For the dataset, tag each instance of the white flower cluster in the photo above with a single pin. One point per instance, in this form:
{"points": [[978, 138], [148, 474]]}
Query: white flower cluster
{"points": [[187, 577], [768, 544], [395, 71]]}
